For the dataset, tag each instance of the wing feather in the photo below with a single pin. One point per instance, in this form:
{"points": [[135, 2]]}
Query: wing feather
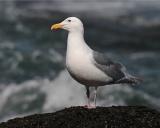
{"points": [[109, 67]]}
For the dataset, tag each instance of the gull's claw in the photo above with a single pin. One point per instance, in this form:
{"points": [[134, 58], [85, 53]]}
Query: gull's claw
{"points": [[91, 106]]}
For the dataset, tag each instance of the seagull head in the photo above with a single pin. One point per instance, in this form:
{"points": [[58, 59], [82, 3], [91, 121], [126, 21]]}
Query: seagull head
{"points": [[71, 24]]}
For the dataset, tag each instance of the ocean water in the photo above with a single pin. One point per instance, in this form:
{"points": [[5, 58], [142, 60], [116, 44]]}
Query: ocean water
{"points": [[33, 78]]}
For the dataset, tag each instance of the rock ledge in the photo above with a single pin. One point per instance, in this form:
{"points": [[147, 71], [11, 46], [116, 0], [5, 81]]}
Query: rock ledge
{"points": [[101, 117]]}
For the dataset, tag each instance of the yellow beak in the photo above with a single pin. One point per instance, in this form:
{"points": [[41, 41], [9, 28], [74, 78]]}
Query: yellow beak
{"points": [[56, 26]]}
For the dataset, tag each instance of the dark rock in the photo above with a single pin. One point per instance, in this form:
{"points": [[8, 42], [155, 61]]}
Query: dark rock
{"points": [[101, 117]]}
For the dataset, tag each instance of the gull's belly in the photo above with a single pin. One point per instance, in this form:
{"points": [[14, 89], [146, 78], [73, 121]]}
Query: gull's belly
{"points": [[81, 66]]}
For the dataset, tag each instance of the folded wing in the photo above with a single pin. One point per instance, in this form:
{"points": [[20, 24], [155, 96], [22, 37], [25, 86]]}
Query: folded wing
{"points": [[113, 69]]}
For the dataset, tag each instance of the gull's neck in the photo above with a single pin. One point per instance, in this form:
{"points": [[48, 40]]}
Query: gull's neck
{"points": [[76, 42]]}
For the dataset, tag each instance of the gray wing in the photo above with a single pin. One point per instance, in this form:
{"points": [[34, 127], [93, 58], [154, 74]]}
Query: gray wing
{"points": [[109, 67]]}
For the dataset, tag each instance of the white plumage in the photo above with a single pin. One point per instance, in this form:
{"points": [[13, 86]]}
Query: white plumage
{"points": [[79, 59]]}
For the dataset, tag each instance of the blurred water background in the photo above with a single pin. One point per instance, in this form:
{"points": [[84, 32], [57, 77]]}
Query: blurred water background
{"points": [[33, 78]]}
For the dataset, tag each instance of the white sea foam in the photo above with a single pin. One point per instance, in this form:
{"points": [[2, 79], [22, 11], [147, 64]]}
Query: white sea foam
{"points": [[11, 89], [63, 92]]}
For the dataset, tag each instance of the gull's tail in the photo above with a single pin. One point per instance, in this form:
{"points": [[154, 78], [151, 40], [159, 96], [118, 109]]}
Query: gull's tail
{"points": [[129, 80]]}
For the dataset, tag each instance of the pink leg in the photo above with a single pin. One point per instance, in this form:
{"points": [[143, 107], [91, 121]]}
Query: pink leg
{"points": [[89, 105]]}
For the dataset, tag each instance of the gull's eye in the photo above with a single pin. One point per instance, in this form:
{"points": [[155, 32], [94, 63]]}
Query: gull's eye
{"points": [[69, 20]]}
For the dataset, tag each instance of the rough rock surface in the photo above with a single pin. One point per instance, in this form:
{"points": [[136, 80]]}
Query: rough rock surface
{"points": [[101, 117]]}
